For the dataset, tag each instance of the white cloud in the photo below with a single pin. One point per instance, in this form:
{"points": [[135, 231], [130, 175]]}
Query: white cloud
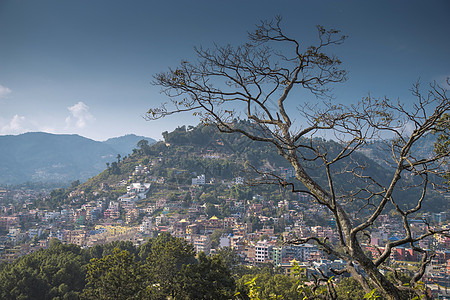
{"points": [[80, 115], [15, 126], [4, 91]]}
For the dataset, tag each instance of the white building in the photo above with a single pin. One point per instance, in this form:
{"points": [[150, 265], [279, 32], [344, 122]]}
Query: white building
{"points": [[51, 215], [199, 180], [202, 243], [262, 249], [138, 189], [146, 226], [34, 232]]}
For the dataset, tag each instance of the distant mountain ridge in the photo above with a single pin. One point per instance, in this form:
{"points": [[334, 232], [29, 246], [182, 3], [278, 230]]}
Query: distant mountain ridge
{"points": [[381, 151], [46, 157]]}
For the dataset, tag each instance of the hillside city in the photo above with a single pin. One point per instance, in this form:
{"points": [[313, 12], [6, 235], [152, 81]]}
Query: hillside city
{"points": [[260, 229]]}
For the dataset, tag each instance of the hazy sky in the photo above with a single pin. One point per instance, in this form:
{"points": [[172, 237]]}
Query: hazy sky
{"points": [[85, 66]]}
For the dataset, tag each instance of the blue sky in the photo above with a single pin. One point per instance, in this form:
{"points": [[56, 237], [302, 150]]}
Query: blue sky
{"points": [[85, 67]]}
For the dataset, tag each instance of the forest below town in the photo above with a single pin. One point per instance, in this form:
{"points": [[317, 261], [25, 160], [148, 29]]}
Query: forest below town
{"points": [[163, 268]]}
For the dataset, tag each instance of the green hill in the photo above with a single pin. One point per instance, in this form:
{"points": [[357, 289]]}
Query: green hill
{"points": [[188, 152], [61, 158]]}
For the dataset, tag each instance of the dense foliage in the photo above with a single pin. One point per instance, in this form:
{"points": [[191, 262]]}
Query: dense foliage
{"points": [[55, 273], [162, 267]]}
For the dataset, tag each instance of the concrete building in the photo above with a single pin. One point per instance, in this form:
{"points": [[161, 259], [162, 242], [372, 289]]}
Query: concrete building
{"points": [[262, 249], [199, 180], [202, 243]]}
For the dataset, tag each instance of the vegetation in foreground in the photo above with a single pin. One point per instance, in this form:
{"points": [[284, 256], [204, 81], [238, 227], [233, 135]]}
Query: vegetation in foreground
{"points": [[163, 268]]}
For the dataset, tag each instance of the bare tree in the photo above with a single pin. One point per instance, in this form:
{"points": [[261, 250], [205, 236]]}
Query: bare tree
{"points": [[261, 82]]}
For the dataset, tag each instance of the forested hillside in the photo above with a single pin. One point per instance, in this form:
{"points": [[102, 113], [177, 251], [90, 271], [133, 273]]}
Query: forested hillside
{"points": [[190, 151]]}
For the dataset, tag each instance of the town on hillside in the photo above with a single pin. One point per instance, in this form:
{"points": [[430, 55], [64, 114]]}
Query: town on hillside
{"points": [[257, 226]]}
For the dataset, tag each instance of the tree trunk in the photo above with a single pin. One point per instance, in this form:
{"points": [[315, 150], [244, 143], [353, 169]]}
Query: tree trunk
{"points": [[353, 247]]}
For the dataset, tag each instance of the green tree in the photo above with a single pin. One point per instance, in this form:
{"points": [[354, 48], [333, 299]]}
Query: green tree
{"points": [[211, 210], [114, 276], [143, 144], [74, 184], [167, 256], [207, 279], [115, 168], [145, 250], [57, 272], [230, 258], [349, 289], [99, 251], [266, 286], [215, 237]]}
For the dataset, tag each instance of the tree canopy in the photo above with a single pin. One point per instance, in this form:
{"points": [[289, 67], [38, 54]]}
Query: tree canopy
{"points": [[161, 268]]}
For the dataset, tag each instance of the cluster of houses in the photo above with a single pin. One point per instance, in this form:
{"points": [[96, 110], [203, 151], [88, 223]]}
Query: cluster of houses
{"points": [[121, 219]]}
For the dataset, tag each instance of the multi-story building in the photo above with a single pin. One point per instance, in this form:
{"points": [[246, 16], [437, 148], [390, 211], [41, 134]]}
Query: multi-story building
{"points": [[202, 243], [276, 255], [199, 180], [298, 252], [262, 249]]}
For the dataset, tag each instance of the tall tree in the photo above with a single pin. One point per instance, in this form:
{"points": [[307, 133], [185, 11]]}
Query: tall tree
{"points": [[143, 146], [262, 82], [114, 276], [167, 256], [115, 168], [207, 279]]}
